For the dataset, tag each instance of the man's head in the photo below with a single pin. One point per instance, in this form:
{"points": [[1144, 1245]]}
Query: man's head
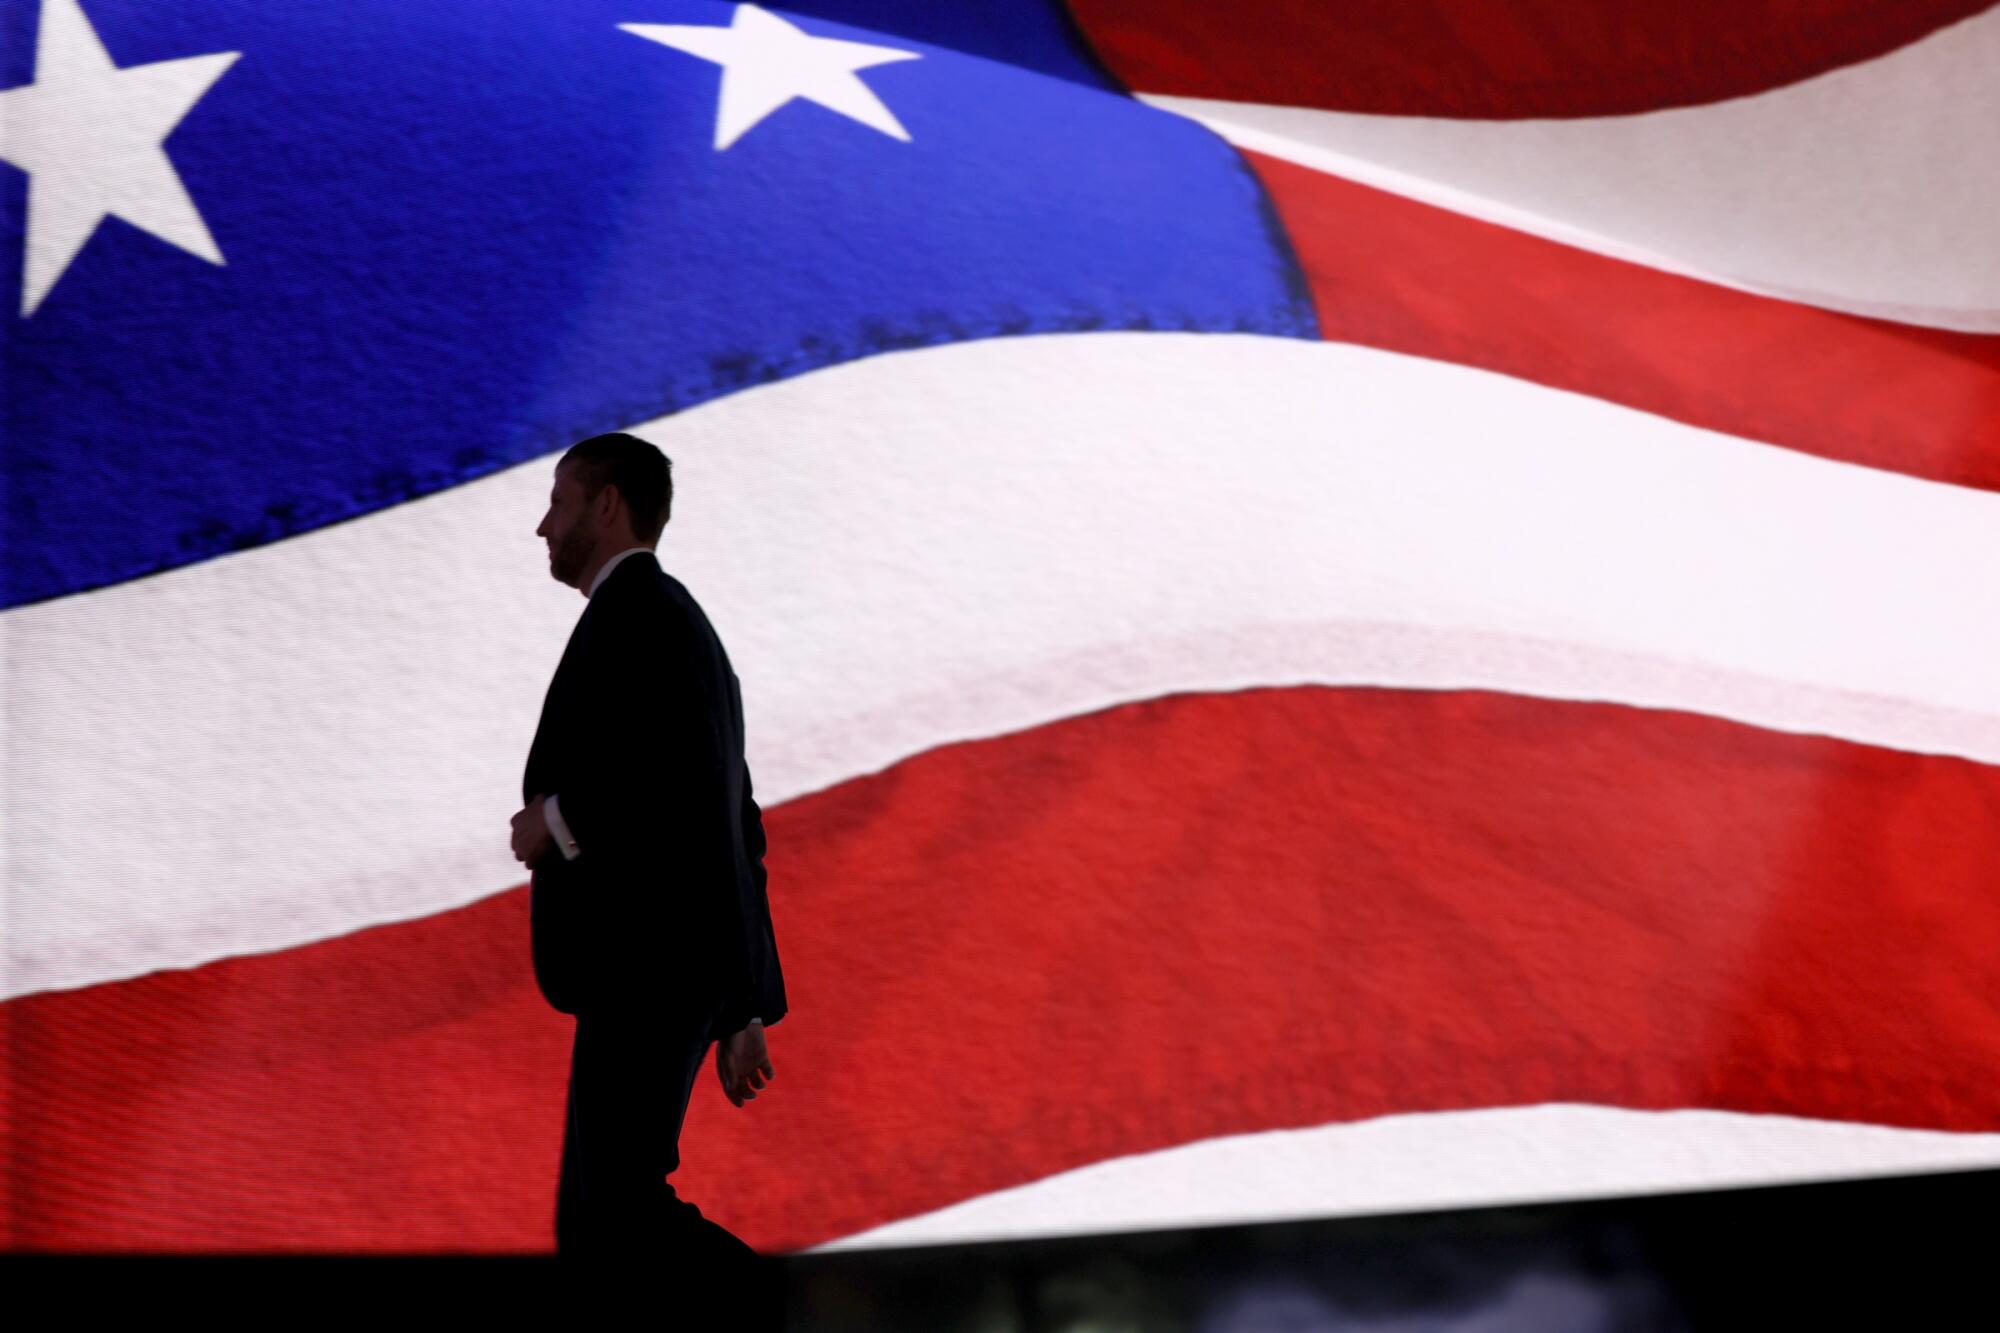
{"points": [[610, 492]]}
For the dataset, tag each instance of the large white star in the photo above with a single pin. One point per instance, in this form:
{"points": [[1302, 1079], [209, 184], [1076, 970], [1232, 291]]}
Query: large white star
{"points": [[766, 62], [91, 137]]}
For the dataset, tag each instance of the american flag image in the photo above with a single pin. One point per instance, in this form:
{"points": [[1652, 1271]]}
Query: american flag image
{"points": [[1341, 608]]}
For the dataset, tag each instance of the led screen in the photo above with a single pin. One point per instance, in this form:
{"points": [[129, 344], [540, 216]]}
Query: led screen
{"points": [[1340, 608]]}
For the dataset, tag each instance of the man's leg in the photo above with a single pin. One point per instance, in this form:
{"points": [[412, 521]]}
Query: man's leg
{"points": [[630, 1084], [626, 1102], [745, 1286]]}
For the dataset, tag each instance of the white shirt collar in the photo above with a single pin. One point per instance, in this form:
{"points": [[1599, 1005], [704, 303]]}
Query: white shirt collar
{"points": [[612, 564]]}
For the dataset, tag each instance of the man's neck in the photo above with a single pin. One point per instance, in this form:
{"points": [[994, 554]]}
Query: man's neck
{"points": [[611, 562]]}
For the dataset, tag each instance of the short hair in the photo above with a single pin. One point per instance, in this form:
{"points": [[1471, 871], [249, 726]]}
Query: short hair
{"points": [[643, 475]]}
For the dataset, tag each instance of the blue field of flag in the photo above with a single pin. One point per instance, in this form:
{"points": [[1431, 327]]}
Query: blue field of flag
{"points": [[461, 234]]}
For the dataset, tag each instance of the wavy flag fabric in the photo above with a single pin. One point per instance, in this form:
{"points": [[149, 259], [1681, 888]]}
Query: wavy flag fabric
{"points": [[1367, 607]]}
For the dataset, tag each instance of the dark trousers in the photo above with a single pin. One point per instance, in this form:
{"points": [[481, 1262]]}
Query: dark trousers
{"points": [[629, 1084]]}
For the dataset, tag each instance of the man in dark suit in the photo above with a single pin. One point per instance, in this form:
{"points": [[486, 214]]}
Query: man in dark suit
{"points": [[650, 920]]}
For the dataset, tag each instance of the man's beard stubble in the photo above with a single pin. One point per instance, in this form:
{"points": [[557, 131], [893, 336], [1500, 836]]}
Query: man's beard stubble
{"points": [[567, 554]]}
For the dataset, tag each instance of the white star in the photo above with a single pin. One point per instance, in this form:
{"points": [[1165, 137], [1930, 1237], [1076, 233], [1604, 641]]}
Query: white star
{"points": [[92, 139], [766, 62]]}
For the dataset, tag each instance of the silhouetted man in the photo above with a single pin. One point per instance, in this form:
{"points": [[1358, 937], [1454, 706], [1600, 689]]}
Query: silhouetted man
{"points": [[650, 921]]}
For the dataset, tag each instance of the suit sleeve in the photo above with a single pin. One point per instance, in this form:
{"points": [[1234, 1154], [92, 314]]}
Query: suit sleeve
{"points": [[645, 801], [559, 828], [760, 992], [658, 803]]}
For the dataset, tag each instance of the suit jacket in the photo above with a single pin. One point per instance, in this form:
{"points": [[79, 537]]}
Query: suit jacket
{"points": [[641, 737]]}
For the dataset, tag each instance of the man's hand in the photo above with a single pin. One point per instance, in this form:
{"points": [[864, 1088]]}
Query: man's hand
{"points": [[743, 1063], [532, 839]]}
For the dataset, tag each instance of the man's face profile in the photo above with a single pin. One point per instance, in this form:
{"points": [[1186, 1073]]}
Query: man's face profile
{"points": [[567, 529]]}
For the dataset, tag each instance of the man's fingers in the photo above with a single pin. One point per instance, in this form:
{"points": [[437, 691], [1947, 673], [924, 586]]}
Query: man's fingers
{"points": [[741, 1082]]}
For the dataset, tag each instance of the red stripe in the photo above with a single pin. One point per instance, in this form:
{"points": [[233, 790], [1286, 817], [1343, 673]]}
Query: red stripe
{"points": [[1478, 59], [1196, 916], [1389, 272]]}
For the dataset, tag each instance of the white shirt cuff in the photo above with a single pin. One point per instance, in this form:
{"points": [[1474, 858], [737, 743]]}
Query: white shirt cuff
{"points": [[553, 813]]}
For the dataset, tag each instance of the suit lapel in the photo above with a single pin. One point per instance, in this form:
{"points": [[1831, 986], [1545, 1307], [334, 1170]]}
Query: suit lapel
{"points": [[549, 727], [553, 722]]}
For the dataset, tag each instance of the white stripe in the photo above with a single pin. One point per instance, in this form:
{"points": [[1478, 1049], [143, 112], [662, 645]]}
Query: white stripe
{"points": [[294, 742], [1436, 1161], [1870, 189]]}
